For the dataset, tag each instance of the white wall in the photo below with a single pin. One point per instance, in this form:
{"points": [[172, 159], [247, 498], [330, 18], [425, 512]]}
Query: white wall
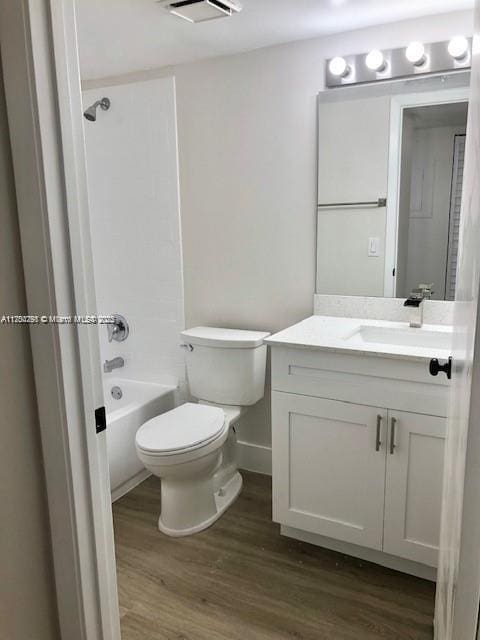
{"points": [[247, 144], [134, 208]]}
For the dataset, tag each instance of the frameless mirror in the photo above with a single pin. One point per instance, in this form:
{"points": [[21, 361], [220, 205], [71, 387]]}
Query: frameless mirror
{"points": [[390, 174]]}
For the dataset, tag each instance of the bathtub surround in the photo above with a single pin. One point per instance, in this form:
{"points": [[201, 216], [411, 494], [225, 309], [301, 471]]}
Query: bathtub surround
{"points": [[134, 212], [135, 220]]}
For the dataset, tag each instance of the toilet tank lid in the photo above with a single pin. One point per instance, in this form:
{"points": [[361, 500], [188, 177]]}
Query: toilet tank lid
{"points": [[231, 338]]}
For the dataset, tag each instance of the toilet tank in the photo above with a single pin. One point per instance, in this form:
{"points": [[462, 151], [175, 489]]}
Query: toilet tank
{"points": [[226, 366]]}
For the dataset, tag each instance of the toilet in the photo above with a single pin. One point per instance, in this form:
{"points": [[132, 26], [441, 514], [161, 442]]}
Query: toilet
{"points": [[192, 448]]}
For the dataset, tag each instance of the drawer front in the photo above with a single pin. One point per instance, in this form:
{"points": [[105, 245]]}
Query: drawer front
{"points": [[391, 383]]}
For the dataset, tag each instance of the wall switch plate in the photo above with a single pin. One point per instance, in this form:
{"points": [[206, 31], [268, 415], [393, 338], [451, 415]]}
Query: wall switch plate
{"points": [[373, 247]]}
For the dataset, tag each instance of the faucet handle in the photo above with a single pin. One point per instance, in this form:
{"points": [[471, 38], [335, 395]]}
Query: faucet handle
{"points": [[118, 330]]}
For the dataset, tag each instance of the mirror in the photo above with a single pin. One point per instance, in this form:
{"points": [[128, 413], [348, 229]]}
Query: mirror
{"points": [[390, 171], [432, 158]]}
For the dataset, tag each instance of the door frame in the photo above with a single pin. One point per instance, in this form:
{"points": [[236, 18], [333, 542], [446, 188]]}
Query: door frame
{"points": [[398, 104], [43, 95]]}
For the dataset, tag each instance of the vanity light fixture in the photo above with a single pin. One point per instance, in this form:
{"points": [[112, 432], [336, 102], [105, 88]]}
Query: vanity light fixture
{"points": [[338, 67], [375, 61], [458, 48], [415, 54], [416, 59]]}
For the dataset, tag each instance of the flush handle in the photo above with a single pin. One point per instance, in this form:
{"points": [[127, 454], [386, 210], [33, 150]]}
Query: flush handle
{"points": [[187, 347], [378, 442], [393, 424], [435, 367]]}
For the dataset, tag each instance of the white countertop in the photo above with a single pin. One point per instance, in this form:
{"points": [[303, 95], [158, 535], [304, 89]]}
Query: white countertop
{"points": [[342, 335]]}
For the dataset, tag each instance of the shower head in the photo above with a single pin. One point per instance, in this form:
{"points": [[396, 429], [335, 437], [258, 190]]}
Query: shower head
{"points": [[91, 112]]}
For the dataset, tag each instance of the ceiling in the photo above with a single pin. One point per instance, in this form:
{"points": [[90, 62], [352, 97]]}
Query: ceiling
{"points": [[121, 36]]}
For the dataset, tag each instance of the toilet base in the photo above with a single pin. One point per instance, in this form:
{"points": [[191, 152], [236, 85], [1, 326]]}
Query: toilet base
{"points": [[224, 497]]}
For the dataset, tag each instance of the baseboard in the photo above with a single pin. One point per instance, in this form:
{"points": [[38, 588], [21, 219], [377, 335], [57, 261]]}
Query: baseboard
{"points": [[254, 457], [370, 555], [130, 484]]}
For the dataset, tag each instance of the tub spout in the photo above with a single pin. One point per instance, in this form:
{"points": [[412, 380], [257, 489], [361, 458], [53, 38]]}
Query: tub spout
{"points": [[110, 365]]}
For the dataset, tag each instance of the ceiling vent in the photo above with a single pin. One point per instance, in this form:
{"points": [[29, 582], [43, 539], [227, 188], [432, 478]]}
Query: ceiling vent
{"points": [[201, 10]]}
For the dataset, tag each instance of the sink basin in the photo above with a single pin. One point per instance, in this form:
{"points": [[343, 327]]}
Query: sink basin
{"points": [[402, 336]]}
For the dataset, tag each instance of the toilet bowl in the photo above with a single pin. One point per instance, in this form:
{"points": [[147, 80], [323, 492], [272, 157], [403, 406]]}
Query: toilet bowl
{"points": [[192, 448], [183, 447]]}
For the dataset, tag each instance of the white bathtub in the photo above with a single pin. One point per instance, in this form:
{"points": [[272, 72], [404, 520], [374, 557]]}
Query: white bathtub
{"points": [[140, 401]]}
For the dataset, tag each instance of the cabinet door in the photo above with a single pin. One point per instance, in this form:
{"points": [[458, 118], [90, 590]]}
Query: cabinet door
{"points": [[328, 476], [413, 496]]}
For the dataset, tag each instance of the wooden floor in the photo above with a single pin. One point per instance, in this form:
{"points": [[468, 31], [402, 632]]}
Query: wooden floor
{"points": [[241, 580]]}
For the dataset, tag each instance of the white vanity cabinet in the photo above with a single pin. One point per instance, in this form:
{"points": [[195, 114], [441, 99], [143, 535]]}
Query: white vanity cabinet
{"points": [[358, 445]]}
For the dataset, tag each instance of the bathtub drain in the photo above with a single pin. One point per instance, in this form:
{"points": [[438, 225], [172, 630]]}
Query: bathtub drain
{"points": [[116, 393]]}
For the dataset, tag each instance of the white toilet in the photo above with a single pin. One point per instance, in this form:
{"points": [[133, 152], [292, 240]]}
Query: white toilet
{"points": [[192, 448]]}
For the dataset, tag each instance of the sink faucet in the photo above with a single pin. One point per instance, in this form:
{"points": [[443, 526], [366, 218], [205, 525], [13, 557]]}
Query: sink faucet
{"points": [[415, 302], [110, 365]]}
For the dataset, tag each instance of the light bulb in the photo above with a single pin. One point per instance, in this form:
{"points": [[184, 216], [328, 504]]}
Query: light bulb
{"points": [[458, 47], [338, 67], [416, 53], [375, 61]]}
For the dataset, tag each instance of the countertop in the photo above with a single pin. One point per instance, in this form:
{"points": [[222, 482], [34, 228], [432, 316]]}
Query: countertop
{"points": [[341, 335]]}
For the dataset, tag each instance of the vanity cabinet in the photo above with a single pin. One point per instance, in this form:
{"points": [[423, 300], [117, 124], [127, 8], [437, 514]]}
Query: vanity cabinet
{"points": [[366, 472]]}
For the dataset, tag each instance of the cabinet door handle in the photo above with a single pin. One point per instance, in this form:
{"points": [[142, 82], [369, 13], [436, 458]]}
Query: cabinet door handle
{"points": [[378, 442], [393, 423]]}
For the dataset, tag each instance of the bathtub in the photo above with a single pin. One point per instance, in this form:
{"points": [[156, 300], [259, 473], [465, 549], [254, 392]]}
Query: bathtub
{"points": [[140, 401]]}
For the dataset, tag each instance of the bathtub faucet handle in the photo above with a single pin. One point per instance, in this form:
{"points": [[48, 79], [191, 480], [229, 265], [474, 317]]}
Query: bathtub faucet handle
{"points": [[118, 329], [188, 347]]}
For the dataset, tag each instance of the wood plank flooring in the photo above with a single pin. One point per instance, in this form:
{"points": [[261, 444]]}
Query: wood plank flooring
{"points": [[241, 580]]}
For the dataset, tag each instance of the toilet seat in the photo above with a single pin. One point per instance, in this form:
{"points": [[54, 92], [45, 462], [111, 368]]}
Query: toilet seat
{"points": [[187, 428]]}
